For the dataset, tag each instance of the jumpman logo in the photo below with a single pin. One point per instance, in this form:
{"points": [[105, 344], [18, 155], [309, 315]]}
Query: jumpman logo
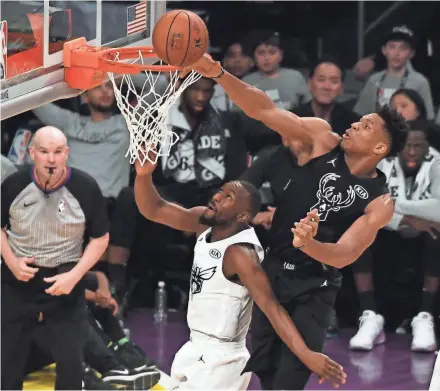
{"points": [[324, 283], [333, 161], [201, 359]]}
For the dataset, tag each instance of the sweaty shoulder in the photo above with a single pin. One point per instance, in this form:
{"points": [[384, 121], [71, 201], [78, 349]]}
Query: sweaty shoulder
{"points": [[322, 132]]}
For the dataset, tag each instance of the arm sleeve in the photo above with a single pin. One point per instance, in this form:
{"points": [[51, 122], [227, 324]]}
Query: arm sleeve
{"points": [[6, 202], [53, 115], [10, 189], [96, 216], [428, 209]]}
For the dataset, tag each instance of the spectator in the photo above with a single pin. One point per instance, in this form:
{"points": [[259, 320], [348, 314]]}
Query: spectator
{"points": [[410, 105], [42, 269], [114, 367], [98, 142], [412, 236], [398, 49], [326, 85], [103, 310], [238, 63], [7, 168], [286, 87]]}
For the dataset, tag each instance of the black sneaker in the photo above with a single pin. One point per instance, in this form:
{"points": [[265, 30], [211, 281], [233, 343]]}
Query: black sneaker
{"points": [[134, 380], [91, 381], [137, 349], [128, 355]]}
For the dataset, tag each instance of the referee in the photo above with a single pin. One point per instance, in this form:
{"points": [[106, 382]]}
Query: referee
{"points": [[46, 212]]}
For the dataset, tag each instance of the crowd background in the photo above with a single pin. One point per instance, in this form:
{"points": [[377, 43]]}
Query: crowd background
{"points": [[308, 58]]}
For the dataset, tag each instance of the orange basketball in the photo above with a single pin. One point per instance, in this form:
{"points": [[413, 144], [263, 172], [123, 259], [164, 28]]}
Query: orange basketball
{"points": [[180, 38]]}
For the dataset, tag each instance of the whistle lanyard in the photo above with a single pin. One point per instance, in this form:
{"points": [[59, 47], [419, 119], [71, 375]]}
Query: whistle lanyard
{"points": [[403, 81]]}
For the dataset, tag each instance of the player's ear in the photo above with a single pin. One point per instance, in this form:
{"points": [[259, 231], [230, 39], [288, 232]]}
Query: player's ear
{"points": [[244, 217], [380, 149]]}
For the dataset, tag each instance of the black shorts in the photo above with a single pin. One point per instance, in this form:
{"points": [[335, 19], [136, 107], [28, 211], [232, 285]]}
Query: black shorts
{"points": [[308, 297]]}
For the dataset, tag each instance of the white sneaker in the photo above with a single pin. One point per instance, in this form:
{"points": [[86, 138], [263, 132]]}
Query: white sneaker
{"points": [[423, 333], [370, 331]]}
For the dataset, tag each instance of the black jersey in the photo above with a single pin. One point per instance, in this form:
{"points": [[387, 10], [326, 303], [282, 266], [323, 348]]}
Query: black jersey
{"points": [[325, 183]]}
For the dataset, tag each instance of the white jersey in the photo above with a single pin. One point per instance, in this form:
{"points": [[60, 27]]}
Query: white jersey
{"points": [[218, 307]]}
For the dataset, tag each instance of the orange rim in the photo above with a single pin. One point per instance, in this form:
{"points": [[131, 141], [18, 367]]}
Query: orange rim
{"points": [[109, 64], [86, 66]]}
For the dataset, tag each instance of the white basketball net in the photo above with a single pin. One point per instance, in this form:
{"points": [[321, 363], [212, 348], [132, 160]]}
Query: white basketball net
{"points": [[146, 118]]}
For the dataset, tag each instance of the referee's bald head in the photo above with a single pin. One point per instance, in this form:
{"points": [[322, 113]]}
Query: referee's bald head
{"points": [[49, 135], [49, 152]]}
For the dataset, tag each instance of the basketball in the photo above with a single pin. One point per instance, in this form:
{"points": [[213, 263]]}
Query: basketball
{"points": [[180, 38]]}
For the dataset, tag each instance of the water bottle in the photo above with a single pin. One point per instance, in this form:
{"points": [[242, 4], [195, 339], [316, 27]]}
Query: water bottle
{"points": [[160, 313]]}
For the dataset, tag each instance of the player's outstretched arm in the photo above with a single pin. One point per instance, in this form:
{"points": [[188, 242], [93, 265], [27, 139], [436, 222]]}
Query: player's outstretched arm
{"points": [[353, 242], [256, 104], [153, 207], [243, 261]]}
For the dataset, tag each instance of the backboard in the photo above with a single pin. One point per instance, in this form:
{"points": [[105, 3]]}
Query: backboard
{"points": [[32, 37]]}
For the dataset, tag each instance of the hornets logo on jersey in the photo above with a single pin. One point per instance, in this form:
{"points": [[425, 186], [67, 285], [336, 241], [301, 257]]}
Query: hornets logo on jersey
{"points": [[198, 275]]}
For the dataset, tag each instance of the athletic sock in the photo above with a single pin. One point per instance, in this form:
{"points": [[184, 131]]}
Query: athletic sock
{"points": [[427, 301], [367, 301]]}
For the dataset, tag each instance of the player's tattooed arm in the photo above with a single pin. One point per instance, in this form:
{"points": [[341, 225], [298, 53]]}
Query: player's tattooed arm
{"points": [[242, 261], [153, 207], [354, 241]]}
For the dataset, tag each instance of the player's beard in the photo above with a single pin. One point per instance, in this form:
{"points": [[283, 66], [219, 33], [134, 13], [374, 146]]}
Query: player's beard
{"points": [[209, 221], [103, 109]]}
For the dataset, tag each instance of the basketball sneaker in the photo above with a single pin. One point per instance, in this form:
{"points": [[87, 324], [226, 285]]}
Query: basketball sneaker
{"points": [[91, 381], [370, 331], [129, 354], [423, 333], [132, 379]]}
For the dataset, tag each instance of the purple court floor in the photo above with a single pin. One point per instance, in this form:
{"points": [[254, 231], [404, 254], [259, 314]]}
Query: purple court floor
{"points": [[391, 366]]}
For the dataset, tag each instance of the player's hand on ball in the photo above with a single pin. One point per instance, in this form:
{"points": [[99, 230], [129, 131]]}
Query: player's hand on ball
{"points": [[205, 66], [306, 229], [326, 369]]}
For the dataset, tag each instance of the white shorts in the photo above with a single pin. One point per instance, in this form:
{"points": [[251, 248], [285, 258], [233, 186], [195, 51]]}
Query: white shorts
{"points": [[208, 364], [435, 380]]}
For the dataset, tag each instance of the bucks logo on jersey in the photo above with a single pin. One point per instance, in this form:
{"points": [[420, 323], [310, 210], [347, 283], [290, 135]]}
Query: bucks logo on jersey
{"points": [[198, 275]]}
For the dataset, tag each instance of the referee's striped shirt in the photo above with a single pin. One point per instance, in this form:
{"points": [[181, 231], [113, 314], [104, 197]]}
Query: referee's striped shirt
{"points": [[51, 226]]}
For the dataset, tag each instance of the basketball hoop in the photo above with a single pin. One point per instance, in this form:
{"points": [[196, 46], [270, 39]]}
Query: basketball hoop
{"points": [[145, 110]]}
